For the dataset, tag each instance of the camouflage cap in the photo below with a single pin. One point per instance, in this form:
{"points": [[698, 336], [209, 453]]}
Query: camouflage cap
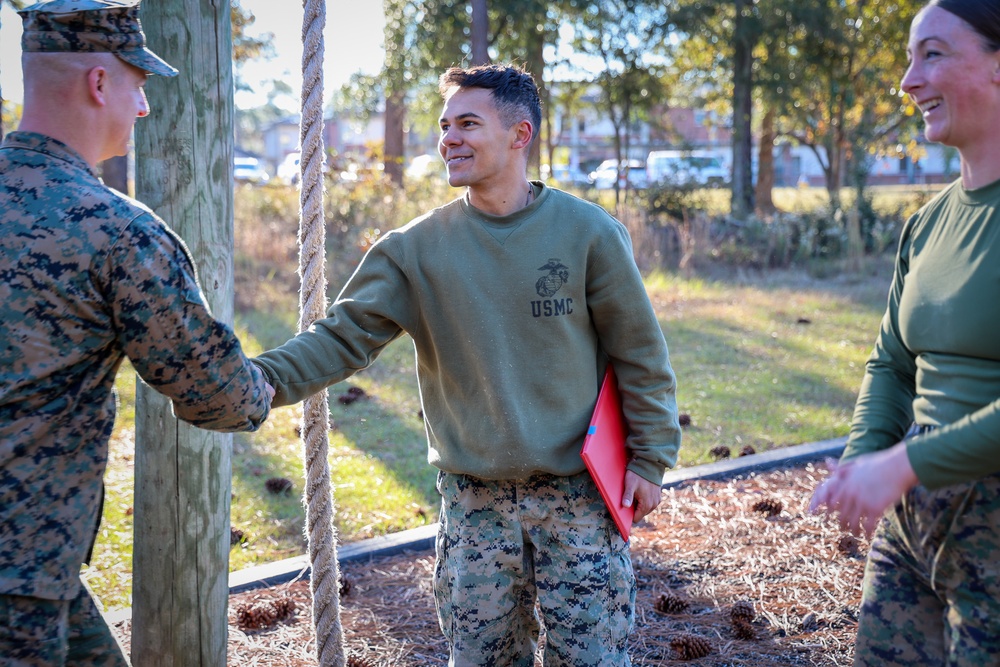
{"points": [[108, 26]]}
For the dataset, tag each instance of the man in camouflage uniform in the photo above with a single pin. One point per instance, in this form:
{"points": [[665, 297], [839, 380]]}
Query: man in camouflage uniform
{"points": [[87, 277]]}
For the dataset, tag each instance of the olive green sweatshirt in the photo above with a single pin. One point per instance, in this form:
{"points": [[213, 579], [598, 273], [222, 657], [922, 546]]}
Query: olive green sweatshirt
{"points": [[937, 357], [513, 320]]}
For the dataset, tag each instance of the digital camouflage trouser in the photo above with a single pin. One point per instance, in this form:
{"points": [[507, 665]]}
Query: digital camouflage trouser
{"points": [[54, 633], [932, 582], [503, 544]]}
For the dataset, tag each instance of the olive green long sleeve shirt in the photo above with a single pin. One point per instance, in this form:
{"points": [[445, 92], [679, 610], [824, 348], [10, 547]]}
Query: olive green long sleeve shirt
{"points": [[937, 357], [513, 319]]}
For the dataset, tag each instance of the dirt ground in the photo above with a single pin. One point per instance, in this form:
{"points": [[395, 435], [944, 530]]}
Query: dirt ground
{"points": [[737, 568]]}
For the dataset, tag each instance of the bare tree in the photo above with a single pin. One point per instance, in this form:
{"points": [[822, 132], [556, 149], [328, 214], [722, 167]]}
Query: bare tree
{"points": [[480, 33]]}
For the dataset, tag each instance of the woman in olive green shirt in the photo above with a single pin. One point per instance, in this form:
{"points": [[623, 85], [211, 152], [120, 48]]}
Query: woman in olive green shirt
{"points": [[931, 592]]}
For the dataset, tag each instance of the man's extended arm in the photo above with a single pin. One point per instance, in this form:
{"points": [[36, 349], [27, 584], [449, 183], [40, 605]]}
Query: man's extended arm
{"points": [[170, 336]]}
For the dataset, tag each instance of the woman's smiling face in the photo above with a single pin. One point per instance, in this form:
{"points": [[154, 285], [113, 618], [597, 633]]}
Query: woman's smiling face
{"points": [[952, 78]]}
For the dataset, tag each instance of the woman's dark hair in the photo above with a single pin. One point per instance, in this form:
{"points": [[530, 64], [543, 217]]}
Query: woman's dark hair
{"points": [[983, 16]]}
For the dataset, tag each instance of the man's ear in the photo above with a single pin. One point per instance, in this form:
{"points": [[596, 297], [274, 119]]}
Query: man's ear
{"points": [[523, 132], [97, 85]]}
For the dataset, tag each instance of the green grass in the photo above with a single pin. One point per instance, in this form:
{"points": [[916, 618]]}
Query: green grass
{"points": [[894, 200], [749, 372], [769, 364]]}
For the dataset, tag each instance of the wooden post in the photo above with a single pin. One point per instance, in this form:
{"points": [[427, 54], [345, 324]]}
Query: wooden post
{"points": [[184, 169], [114, 173]]}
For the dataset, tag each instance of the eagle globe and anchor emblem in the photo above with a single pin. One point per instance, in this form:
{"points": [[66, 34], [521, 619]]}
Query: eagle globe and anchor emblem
{"points": [[549, 284]]}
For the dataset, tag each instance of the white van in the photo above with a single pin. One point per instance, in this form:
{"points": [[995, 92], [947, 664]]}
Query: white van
{"points": [[288, 170], [685, 168]]}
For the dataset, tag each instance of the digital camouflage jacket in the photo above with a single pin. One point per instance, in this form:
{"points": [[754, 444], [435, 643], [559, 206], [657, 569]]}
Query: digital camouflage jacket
{"points": [[87, 278]]}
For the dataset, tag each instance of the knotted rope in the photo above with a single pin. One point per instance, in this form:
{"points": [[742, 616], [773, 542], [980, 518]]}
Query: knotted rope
{"points": [[325, 578]]}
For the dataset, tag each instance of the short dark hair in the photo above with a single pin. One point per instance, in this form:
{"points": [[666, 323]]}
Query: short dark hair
{"points": [[983, 16], [512, 88]]}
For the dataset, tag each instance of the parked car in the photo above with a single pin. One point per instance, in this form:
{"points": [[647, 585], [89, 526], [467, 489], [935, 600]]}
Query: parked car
{"points": [[631, 174], [698, 168], [563, 174], [249, 170], [288, 170]]}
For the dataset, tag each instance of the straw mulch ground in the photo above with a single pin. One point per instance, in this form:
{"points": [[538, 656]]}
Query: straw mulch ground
{"points": [[711, 548]]}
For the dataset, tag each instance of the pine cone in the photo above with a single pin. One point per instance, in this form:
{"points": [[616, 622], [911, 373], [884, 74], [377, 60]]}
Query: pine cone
{"points": [[355, 660], [742, 610], [747, 450], [690, 647], [352, 394], [768, 506], [720, 452], [250, 617], [263, 614], [684, 419], [345, 586], [283, 607], [848, 545], [236, 536], [278, 485], [671, 603], [743, 629]]}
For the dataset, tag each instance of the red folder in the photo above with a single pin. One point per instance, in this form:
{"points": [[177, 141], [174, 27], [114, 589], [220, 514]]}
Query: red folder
{"points": [[604, 451]]}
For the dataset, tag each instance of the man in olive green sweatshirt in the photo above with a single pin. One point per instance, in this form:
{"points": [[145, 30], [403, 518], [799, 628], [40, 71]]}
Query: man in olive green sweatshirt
{"points": [[516, 296]]}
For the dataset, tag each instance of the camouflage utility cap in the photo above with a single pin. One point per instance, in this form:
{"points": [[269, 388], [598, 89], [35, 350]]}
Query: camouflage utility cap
{"points": [[94, 26]]}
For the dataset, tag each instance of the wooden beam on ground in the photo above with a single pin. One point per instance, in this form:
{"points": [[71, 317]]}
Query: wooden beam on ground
{"points": [[183, 475]]}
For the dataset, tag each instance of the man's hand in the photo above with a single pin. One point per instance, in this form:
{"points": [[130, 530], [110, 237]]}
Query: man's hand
{"points": [[862, 489], [646, 495]]}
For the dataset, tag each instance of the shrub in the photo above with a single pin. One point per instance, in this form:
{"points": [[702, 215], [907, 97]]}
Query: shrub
{"points": [[672, 227]]}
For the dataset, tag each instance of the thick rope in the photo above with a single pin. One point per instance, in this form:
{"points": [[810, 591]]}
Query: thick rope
{"points": [[325, 578]]}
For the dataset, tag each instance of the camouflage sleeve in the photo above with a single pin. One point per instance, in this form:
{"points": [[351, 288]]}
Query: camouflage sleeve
{"points": [[168, 333]]}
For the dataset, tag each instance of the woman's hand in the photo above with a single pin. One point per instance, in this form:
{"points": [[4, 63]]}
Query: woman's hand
{"points": [[860, 490]]}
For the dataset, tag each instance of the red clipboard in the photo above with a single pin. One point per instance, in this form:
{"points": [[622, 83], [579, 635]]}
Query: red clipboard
{"points": [[604, 452]]}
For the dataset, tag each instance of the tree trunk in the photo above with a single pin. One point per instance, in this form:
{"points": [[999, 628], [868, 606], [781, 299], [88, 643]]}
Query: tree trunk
{"points": [[184, 171], [833, 174], [765, 164], [480, 33], [394, 135], [394, 153], [535, 62], [551, 133], [838, 149], [114, 173], [742, 204], [627, 147], [618, 160]]}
